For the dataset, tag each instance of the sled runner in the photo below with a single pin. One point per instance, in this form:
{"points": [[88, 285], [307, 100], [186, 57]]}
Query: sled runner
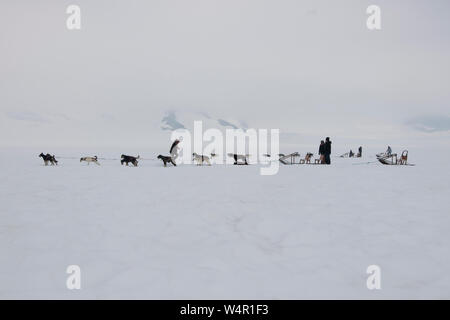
{"points": [[393, 159]]}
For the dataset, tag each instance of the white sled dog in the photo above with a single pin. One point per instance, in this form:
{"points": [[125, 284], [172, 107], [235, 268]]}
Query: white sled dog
{"points": [[236, 157], [201, 158], [89, 160]]}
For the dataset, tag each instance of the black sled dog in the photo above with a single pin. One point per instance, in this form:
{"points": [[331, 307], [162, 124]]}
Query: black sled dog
{"points": [[166, 160], [127, 159], [236, 157], [48, 158]]}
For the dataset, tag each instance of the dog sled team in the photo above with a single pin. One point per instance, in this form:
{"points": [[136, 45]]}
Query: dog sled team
{"points": [[324, 157], [200, 159], [351, 154]]}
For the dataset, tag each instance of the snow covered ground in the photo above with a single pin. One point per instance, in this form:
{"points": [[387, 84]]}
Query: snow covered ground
{"points": [[223, 231]]}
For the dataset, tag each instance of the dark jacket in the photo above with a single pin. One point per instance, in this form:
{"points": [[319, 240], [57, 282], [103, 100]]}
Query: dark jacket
{"points": [[327, 147], [174, 144], [322, 149]]}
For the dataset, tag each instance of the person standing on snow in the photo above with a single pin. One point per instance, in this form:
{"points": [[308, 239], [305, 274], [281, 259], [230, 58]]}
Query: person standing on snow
{"points": [[327, 150], [322, 152], [389, 151], [174, 149]]}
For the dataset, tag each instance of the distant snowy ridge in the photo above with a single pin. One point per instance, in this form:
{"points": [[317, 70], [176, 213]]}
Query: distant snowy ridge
{"points": [[170, 122], [174, 120]]}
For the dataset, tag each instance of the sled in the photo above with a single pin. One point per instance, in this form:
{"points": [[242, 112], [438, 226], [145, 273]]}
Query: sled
{"points": [[289, 158], [295, 158], [393, 160]]}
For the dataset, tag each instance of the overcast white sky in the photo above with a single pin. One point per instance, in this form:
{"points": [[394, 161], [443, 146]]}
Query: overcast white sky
{"points": [[308, 67]]}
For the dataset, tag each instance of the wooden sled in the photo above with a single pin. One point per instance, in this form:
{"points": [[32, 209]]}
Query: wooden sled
{"points": [[394, 160], [295, 158], [290, 158]]}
